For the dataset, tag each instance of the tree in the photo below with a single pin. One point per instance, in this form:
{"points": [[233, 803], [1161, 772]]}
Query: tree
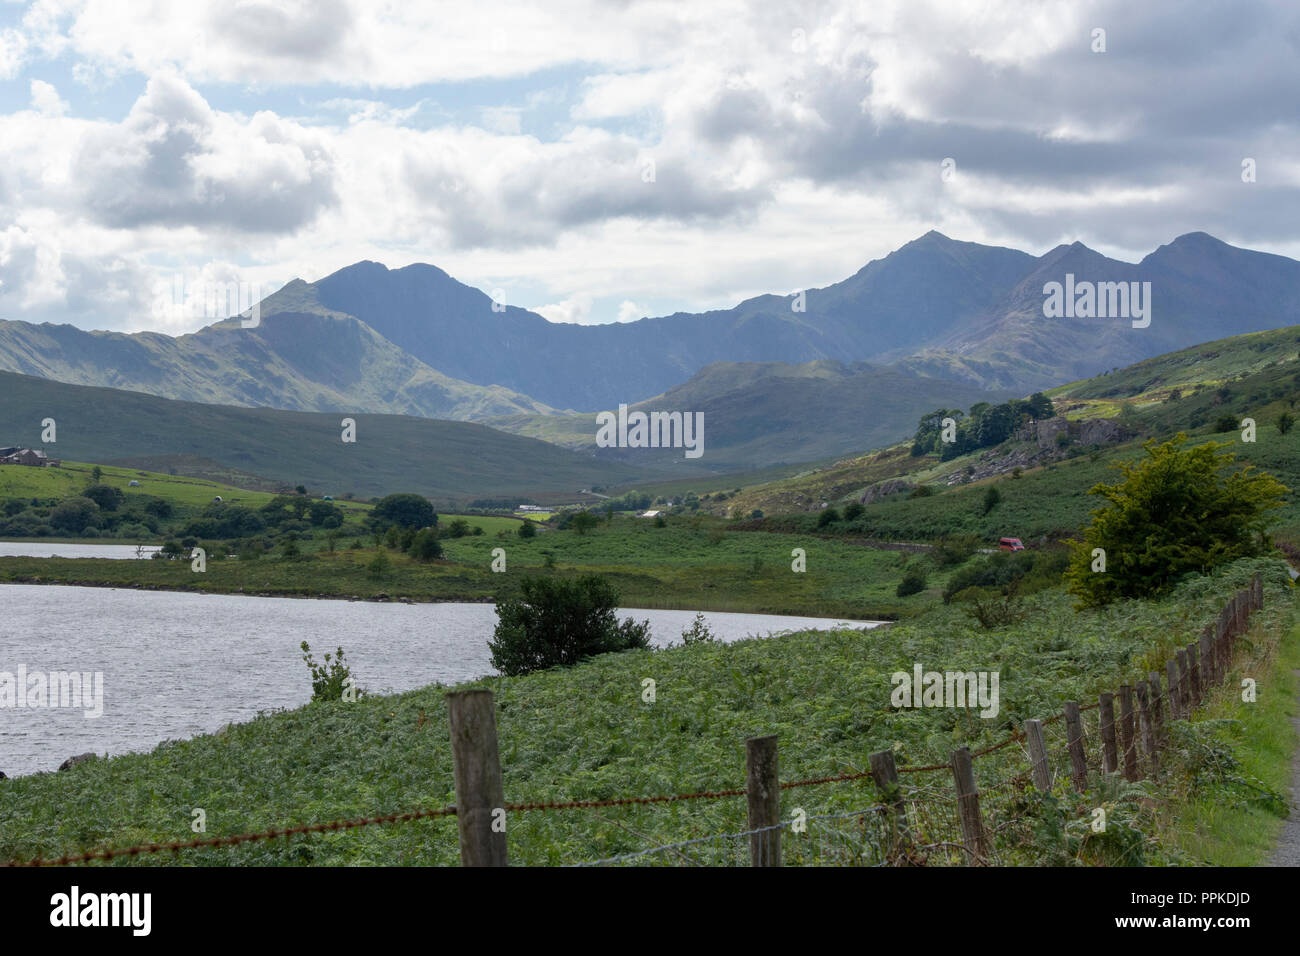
{"points": [[992, 498], [96, 475], [321, 511], [425, 546], [1181, 510], [106, 496], [583, 521], [408, 511], [853, 510], [557, 623], [75, 515], [527, 529], [913, 581], [1285, 422], [828, 516]]}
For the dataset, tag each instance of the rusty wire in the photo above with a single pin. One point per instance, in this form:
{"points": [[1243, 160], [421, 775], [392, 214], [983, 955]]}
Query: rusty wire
{"points": [[337, 825]]}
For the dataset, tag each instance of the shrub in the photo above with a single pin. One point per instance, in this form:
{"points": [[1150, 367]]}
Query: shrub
{"points": [[106, 496], [458, 528], [827, 516], [854, 510], [1225, 423], [527, 529], [991, 607], [698, 632], [425, 546], [1285, 422], [330, 679], [75, 515], [992, 498], [1174, 513], [921, 491], [557, 623], [913, 582], [583, 521], [949, 552], [379, 566], [404, 510]]}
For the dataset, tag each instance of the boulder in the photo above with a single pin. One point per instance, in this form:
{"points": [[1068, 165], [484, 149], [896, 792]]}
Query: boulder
{"points": [[79, 758], [881, 489]]}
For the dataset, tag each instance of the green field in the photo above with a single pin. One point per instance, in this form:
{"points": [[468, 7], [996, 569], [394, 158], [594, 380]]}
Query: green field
{"points": [[825, 694], [17, 481], [687, 564]]}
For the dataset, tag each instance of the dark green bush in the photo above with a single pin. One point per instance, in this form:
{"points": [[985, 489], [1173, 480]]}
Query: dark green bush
{"points": [[556, 623]]}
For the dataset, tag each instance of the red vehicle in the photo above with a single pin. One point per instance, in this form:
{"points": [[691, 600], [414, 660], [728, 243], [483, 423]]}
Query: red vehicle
{"points": [[1011, 544]]}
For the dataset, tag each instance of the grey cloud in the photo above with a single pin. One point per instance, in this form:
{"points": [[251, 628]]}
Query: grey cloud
{"points": [[162, 166]]}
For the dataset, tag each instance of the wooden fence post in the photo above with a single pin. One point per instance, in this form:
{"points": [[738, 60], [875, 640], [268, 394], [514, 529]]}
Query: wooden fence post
{"points": [[1157, 706], [1184, 691], [1148, 727], [968, 807], [1106, 712], [1194, 675], [1042, 773], [476, 767], [1209, 675], [1173, 693], [885, 774], [763, 791], [1127, 732], [1074, 740]]}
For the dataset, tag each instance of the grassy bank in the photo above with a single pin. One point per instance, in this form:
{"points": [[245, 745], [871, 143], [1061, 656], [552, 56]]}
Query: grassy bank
{"points": [[687, 564], [586, 733], [1231, 826]]}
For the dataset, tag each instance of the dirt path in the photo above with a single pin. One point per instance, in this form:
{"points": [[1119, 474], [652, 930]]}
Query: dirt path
{"points": [[1288, 845]]}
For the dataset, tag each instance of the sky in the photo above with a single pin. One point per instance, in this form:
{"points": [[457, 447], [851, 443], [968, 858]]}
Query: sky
{"points": [[603, 161]]}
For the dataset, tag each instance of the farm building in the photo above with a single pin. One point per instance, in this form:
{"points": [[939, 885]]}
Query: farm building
{"points": [[27, 456]]}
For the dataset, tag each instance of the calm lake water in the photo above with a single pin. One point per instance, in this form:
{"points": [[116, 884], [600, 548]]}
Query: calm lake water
{"points": [[34, 549], [177, 665]]}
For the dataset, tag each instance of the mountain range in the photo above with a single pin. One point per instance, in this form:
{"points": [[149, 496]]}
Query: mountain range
{"points": [[781, 378]]}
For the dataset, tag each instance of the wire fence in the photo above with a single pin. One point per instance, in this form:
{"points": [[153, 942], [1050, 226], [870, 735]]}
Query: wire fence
{"points": [[921, 823]]}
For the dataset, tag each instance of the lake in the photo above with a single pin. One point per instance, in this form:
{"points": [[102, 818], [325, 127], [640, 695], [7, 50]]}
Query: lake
{"points": [[176, 665], [40, 549]]}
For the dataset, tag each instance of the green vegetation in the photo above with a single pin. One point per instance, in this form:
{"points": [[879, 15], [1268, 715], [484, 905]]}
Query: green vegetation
{"points": [[444, 460], [1174, 513], [825, 694], [556, 623], [1223, 816], [330, 679], [986, 425]]}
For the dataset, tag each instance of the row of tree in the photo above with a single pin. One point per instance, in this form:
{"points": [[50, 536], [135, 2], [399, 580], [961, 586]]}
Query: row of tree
{"points": [[984, 426]]}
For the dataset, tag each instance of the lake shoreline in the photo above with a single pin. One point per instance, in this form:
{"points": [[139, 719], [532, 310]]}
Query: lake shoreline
{"points": [[390, 599]]}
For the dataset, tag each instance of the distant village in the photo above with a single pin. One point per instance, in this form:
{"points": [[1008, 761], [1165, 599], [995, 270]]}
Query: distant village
{"points": [[27, 456]]}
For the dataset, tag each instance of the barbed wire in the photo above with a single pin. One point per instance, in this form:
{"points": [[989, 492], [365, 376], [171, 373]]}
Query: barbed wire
{"points": [[339, 825]]}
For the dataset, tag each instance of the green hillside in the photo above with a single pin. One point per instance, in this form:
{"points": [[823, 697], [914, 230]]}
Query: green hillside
{"points": [[441, 459], [1197, 390], [768, 414]]}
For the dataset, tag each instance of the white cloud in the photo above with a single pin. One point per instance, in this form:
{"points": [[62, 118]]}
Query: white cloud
{"points": [[46, 100], [574, 309], [502, 119], [775, 167], [629, 311]]}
